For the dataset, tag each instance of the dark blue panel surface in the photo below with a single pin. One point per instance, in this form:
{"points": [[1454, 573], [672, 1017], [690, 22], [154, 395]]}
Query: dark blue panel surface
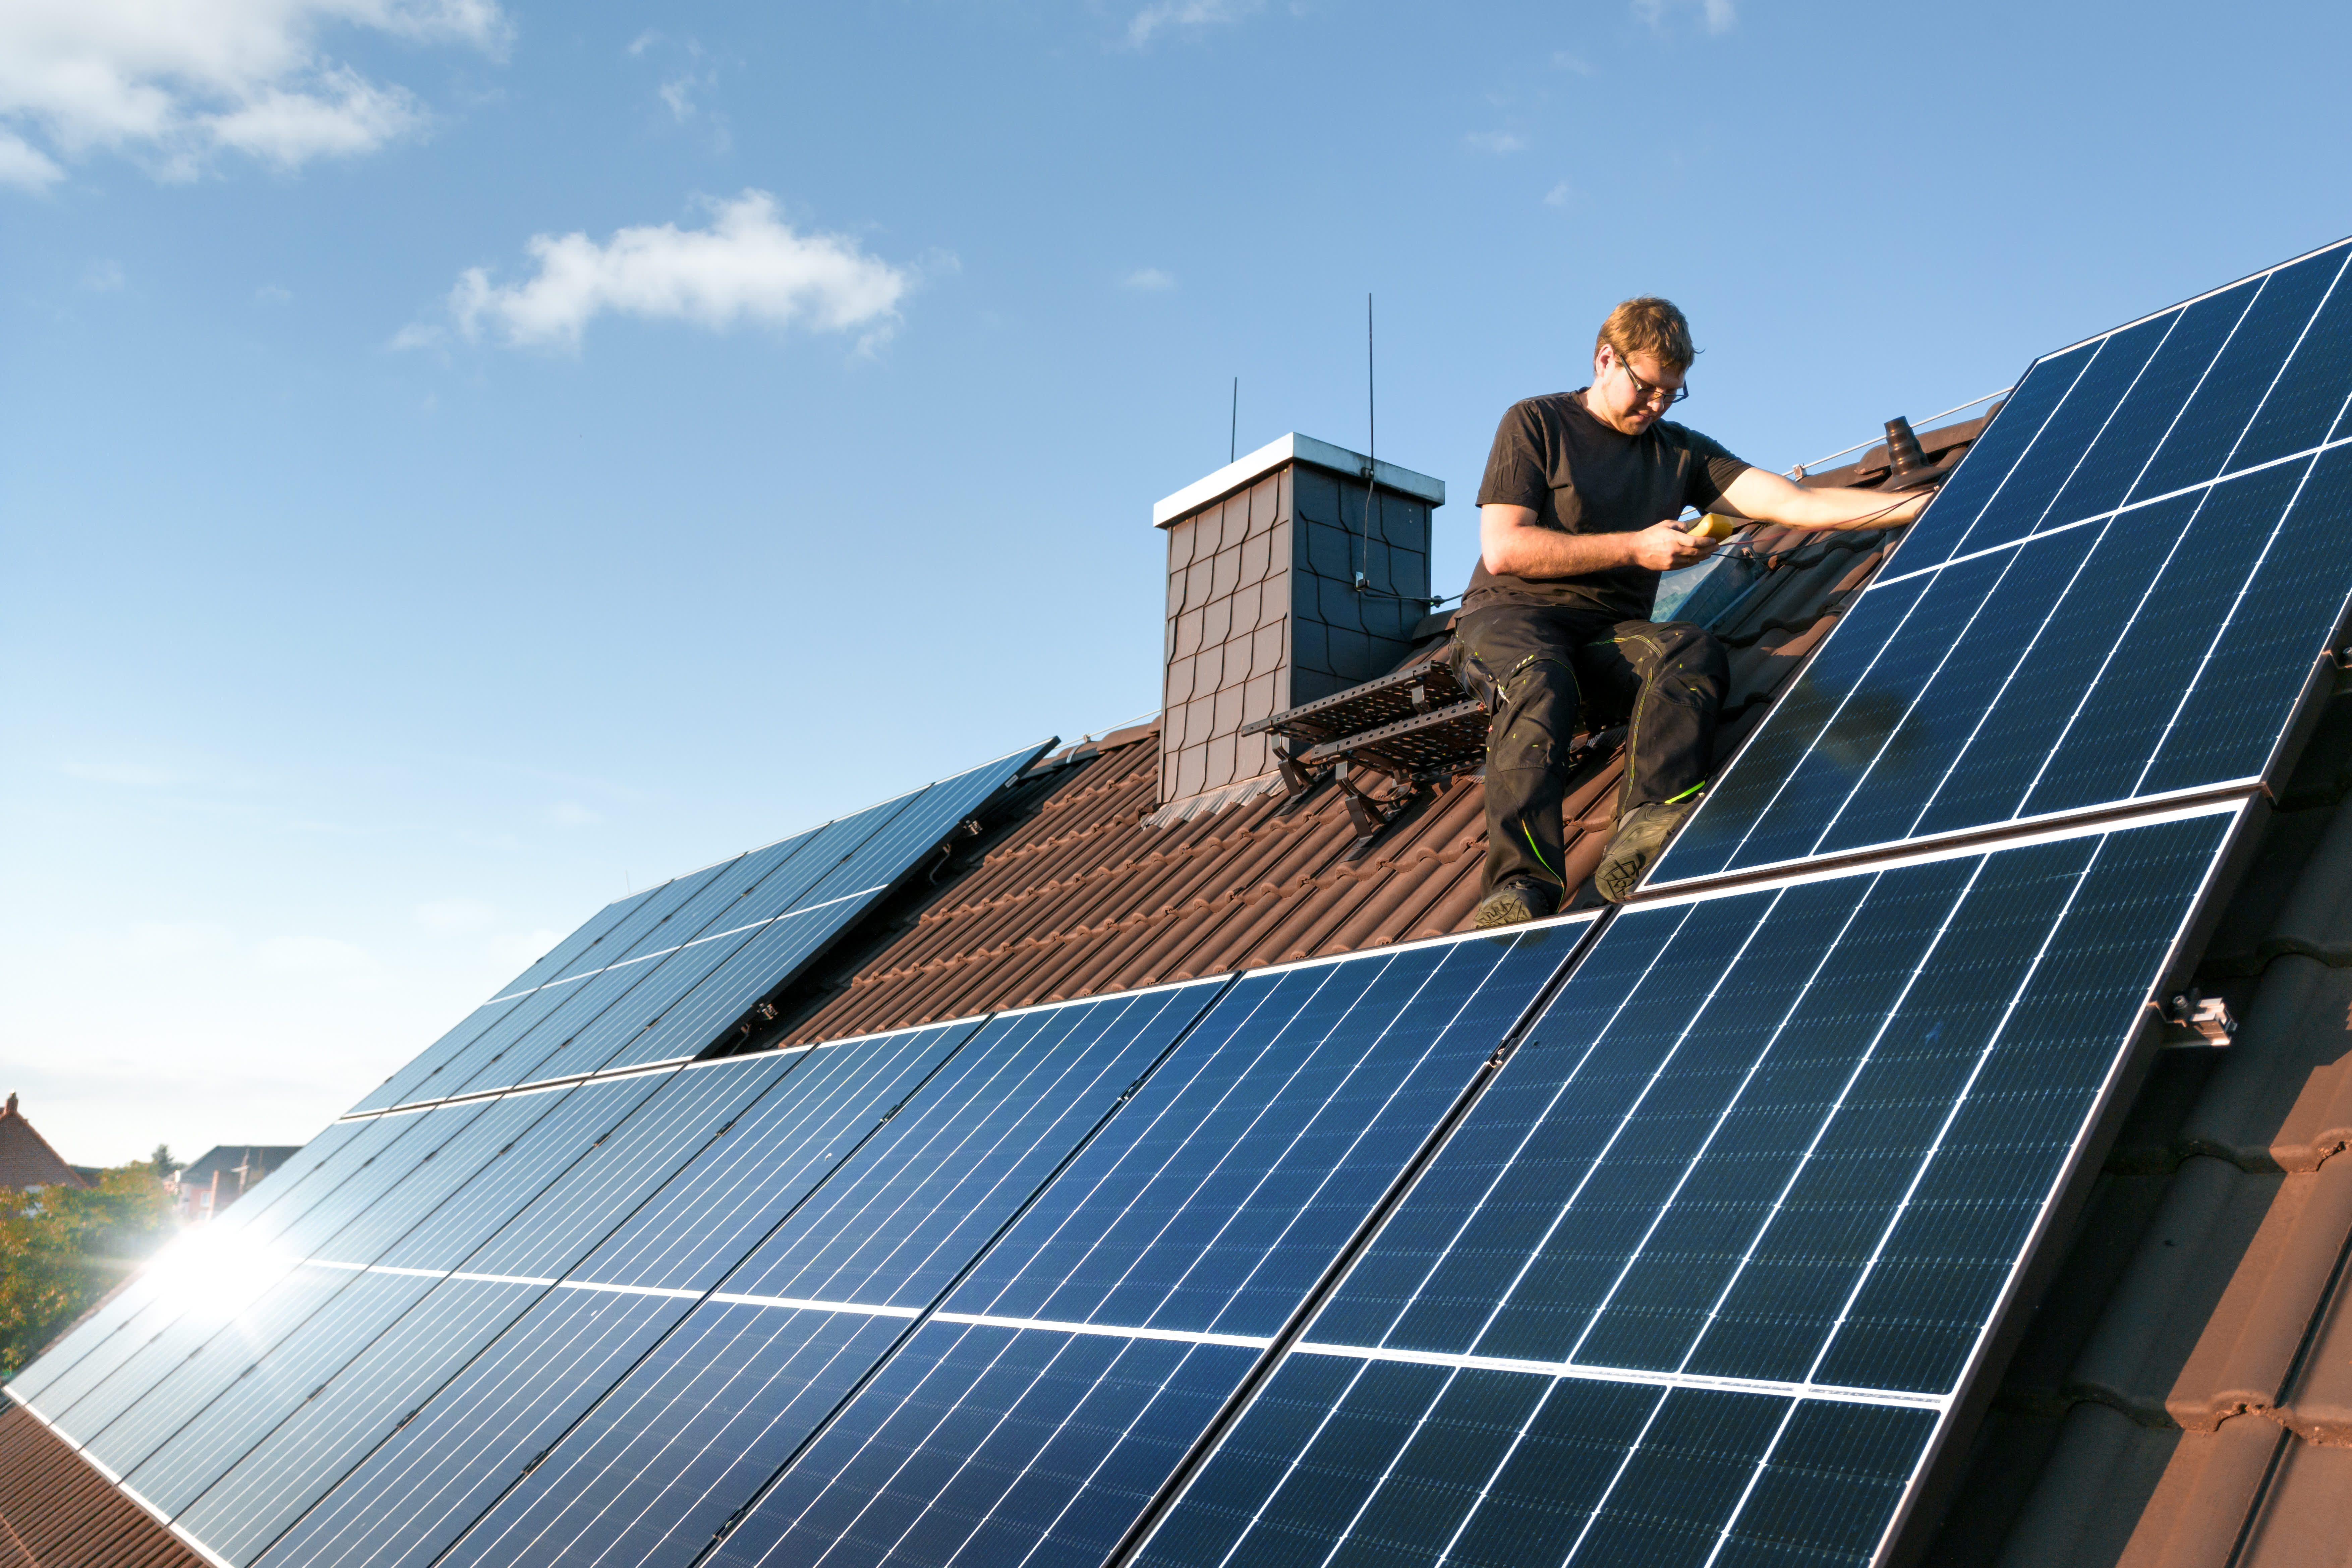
{"points": [[917, 1203], [1703, 1153], [1359, 1462], [685, 1440], [705, 1218], [413, 1496], [694, 1431], [982, 1445], [1221, 1192], [581, 1208], [1200, 1216], [2202, 438]]}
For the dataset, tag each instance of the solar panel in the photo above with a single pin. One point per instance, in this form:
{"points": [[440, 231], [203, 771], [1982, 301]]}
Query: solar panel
{"points": [[1033, 1416], [1701, 1277], [2118, 598], [665, 1247], [550, 1235], [703, 1421], [657, 976]]}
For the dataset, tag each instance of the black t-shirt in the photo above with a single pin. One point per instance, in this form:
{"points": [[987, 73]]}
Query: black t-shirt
{"points": [[1582, 477]]}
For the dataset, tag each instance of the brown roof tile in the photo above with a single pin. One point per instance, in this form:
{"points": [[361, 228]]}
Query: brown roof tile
{"points": [[57, 1512]]}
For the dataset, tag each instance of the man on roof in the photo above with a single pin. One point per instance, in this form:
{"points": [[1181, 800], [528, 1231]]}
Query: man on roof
{"points": [[1575, 520]]}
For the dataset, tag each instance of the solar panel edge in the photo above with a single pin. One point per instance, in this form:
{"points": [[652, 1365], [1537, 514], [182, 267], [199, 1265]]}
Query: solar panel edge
{"points": [[1937, 1476], [2196, 298], [909, 801]]}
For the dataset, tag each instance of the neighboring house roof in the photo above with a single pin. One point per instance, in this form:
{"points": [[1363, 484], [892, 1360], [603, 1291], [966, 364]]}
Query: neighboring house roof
{"points": [[2183, 1396], [258, 1160], [25, 1158]]}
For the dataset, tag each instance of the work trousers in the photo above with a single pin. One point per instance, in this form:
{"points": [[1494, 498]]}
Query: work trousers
{"points": [[1539, 668]]}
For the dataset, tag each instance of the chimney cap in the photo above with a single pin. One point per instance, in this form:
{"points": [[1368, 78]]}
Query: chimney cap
{"points": [[1293, 448]]}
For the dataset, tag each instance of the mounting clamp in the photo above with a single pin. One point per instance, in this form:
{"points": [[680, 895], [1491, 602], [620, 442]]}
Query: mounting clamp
{"points": [[2196, 1020]]}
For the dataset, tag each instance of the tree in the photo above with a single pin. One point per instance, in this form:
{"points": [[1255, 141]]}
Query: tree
{"points": [[62, 1248], [165, 1167]]}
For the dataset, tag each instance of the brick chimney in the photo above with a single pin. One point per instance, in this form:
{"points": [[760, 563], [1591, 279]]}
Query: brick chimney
{"points": [[1265, 610]]}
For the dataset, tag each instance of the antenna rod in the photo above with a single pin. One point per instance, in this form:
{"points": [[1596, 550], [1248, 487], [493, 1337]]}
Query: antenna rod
{"points": [[1372, 452], [1233, 435]]}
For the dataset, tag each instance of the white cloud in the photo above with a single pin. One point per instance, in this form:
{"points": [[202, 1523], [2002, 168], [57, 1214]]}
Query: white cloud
{"points": [[678, 93], [1148, 279], [176, 83], [1719, 15], [25, 165], [102, 277], [1559, 196], [1566, 61], [454, 916], [747, 266], [1184, 14], [1497, 141], [273, 294], [572, 814]]}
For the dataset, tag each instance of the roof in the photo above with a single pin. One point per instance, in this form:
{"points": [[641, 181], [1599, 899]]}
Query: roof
{"points": [[25, 1158]]}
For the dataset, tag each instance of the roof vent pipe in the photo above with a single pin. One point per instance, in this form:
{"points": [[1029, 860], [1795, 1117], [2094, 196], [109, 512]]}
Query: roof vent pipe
{"points": [[1903, 451]]}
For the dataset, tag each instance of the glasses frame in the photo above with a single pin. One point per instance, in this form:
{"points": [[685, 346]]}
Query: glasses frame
{"points": [[1647, 392]]}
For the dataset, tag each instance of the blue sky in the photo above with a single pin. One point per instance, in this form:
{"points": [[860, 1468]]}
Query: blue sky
{"points": [[462, 459]]}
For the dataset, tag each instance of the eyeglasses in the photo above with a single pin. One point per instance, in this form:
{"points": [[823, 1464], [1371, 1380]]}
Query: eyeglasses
{"points": [[1644, 392]]}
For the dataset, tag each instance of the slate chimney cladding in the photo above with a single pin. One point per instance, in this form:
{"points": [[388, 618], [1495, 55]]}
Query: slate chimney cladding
{"points": [[1263, 609]]}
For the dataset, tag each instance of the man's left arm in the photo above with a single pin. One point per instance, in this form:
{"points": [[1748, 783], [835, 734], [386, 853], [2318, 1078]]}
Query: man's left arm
{"points": [[1768, 497]]}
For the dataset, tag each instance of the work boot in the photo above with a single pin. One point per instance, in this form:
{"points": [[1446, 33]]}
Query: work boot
{"points": [[1641, 835], [1516, 902]]}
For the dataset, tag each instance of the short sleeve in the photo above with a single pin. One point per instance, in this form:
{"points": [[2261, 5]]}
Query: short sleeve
{"points": [[1516, 474], [1711, 472]]}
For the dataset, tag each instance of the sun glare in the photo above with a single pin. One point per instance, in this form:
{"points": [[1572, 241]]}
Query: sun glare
{"points": [[215, 1269]]}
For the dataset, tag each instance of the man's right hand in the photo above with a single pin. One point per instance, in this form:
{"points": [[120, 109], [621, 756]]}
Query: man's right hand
{"points": [[1663, 546]]}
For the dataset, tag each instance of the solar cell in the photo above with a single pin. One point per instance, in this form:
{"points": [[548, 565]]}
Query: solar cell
{"points": [[1701, 1274], [686, 1437], [1032, 1417]]}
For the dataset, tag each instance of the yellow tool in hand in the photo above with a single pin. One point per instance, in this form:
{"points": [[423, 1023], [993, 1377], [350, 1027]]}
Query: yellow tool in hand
{"points": [[1714, 525]]}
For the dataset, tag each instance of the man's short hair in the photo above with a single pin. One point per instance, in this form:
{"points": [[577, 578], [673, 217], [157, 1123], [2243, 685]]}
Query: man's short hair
{"points": [[1648, 325]]}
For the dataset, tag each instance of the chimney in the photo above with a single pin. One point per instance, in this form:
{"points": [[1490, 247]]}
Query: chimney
{"points": [[1282, 587]]}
